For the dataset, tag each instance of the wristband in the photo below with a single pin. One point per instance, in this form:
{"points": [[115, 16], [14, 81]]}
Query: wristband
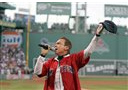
{"points": [[42, 55], [98, 35]]}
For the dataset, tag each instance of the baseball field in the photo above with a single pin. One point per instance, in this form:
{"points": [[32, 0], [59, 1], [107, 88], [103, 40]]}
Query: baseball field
{"points": [[87, 83]]}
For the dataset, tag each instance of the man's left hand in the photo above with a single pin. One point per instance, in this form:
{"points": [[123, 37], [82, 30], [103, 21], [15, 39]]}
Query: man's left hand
{"points": [[99, 29]]}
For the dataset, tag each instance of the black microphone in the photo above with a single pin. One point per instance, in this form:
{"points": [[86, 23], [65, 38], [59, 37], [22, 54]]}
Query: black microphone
{"points": [[45, 46]]}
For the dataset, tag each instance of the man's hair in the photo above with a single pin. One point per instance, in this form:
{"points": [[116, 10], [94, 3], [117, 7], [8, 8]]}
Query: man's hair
{"points": [[67, 42]]}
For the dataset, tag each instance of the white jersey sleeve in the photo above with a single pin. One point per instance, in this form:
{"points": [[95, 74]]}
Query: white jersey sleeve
{"points": [[91, 47], [39, 64]]}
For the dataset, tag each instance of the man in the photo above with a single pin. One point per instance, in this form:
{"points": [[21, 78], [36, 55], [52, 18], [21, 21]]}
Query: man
{"points": [[62, 70]]}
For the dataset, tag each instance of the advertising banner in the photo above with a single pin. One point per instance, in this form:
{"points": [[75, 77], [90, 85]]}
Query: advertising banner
{"points": [[100, 68], [122, 67], [58, 8], [11, 38], [116, 10]]}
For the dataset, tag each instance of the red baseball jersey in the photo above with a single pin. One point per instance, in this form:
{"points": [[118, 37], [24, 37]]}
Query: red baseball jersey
{"points": [[68, 66]]}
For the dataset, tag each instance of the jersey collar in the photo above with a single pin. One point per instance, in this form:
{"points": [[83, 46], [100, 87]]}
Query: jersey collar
{"points": [[56, 58]]}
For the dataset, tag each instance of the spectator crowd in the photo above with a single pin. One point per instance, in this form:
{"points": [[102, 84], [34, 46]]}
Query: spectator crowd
{"points": [[12, 61]]}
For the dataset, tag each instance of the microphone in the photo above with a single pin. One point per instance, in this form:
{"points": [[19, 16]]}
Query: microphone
{"points": [[45, 46]]}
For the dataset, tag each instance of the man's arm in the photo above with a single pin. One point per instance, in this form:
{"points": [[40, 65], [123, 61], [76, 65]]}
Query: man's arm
{"points": [[40, 61], [38, 66], [91, 47]]}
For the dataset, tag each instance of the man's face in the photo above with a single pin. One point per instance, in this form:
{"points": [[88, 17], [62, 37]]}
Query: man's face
{"points": [[61, 49]]}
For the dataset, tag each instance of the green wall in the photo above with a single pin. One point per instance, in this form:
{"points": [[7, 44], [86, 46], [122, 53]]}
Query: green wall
{"points": [[116, 47]]}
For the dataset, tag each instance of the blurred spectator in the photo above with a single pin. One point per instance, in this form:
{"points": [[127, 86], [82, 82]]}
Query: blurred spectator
{"points": [[12, 61], [5, 18], [60, 27]]}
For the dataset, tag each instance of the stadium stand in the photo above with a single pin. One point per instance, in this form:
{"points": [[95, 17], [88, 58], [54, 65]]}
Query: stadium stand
{"points": [[12, 59]]}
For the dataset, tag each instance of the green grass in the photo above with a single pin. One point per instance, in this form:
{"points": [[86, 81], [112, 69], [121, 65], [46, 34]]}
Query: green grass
{"points": [[90, 83], [105, 83], [21, 85]]}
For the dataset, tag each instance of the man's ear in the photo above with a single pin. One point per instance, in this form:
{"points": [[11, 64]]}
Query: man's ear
{"points": [[66, 48]]}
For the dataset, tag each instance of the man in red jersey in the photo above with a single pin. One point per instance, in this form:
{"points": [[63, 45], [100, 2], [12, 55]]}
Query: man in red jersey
{"points": [[62, 70]]}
